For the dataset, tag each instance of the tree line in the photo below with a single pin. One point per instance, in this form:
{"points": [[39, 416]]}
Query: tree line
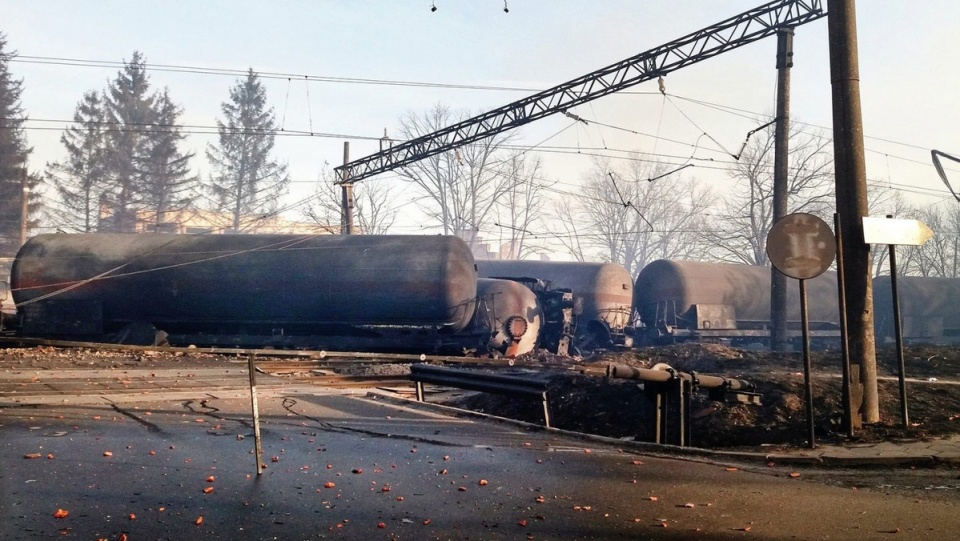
{"points": [[125, 168]]}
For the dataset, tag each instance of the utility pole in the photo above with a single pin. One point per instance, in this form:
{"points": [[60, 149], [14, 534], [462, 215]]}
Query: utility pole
{"points": [[851, 190], [778, 282], [346, 225], [24, 206]]}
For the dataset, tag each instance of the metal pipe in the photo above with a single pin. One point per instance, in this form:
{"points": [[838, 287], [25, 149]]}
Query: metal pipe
{"points": [[663, 376], [851, 422], [898, 332], [478, 381], [256, 413], [807, 381]]}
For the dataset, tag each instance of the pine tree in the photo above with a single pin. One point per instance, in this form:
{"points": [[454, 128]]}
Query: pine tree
{"points": [[81, 179], [168, 186], [130, 112], [13, 157], [246, 181]]}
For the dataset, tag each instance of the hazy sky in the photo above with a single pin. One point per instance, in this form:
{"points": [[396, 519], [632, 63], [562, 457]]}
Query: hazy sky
{"points": [[909, 75]]}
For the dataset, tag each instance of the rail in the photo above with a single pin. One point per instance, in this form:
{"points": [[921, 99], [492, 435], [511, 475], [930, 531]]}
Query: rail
{"points": [[322, 355]]}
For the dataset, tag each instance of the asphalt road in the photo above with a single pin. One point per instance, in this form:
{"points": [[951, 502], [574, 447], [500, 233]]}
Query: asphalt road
{"points": [[342, 465]]}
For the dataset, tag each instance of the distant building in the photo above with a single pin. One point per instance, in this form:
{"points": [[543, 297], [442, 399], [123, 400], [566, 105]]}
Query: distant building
{"points": [[480, 249]]}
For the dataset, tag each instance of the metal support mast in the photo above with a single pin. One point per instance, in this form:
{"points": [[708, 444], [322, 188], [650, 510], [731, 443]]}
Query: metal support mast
{"points": [[734, 32]]}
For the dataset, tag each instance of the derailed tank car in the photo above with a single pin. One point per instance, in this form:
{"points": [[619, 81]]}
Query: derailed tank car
{"points": [[691, 299], [929, 309], [370, 292], [510, 316], [602, 295], [8, 311]]}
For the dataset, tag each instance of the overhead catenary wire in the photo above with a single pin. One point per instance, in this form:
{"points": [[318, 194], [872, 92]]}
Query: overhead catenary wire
{"points": [[626, 203], [579, 150], [936, 155], [201, 70], [199, 129]]}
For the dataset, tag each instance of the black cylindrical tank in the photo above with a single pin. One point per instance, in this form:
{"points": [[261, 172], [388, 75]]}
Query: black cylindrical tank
{"points": [[929, 308], [668, 288], [266, 279], [602, 291], [511, 313]]}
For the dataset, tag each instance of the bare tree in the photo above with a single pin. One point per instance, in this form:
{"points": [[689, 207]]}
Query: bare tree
{"points": [[517, 212], [461, 187], [374, 208], [624, 217], [938, 256], [740, 228], [882, 200]]}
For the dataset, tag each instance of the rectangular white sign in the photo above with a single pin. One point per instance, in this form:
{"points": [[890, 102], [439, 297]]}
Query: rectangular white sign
{"points": [[895, 231]]}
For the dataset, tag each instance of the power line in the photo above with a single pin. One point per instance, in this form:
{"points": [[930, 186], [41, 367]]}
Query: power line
{"points": [[201, 70], [198, 70]]}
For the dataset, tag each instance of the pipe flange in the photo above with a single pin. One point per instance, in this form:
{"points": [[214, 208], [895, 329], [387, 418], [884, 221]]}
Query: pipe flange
{"points": [[515, 327]]}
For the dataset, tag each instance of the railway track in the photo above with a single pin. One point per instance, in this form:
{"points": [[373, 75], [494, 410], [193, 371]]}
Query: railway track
{"points": [[275, 368]]}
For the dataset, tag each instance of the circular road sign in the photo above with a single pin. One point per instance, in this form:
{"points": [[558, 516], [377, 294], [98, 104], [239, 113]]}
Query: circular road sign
{"points": [[801, 246]]}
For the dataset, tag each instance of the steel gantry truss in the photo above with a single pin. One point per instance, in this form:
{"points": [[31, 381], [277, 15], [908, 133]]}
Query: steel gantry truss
{"points": [[734, 32]]}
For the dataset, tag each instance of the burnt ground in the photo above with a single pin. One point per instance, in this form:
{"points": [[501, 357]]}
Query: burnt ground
{"points": [[617, 408]]}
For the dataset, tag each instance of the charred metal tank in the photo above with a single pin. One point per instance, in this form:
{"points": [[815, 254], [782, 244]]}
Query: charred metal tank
{"points": [[929, 309], [8, 311], [690, 295], [602, 295], [68, 285], [510, 314]]}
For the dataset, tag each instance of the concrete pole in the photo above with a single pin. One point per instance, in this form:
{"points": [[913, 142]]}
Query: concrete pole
{"points": [[778, 282], [346, 225], [851, 189], [24, 206]]}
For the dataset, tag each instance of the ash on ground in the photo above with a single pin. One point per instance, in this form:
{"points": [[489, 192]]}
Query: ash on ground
{"points": [[619, 409]]}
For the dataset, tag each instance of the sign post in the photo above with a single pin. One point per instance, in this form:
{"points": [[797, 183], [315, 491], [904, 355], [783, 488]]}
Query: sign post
{"points": [[802, 246], [892, 232]]}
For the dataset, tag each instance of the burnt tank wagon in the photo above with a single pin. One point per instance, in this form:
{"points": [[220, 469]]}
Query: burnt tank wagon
{"points": [[380, 288], [929, 309], [691, 299], [509, 315], [602, 295]]}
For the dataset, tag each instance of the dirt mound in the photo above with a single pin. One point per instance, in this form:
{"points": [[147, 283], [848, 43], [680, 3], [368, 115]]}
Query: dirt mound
{"points": [[619, 409]]}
